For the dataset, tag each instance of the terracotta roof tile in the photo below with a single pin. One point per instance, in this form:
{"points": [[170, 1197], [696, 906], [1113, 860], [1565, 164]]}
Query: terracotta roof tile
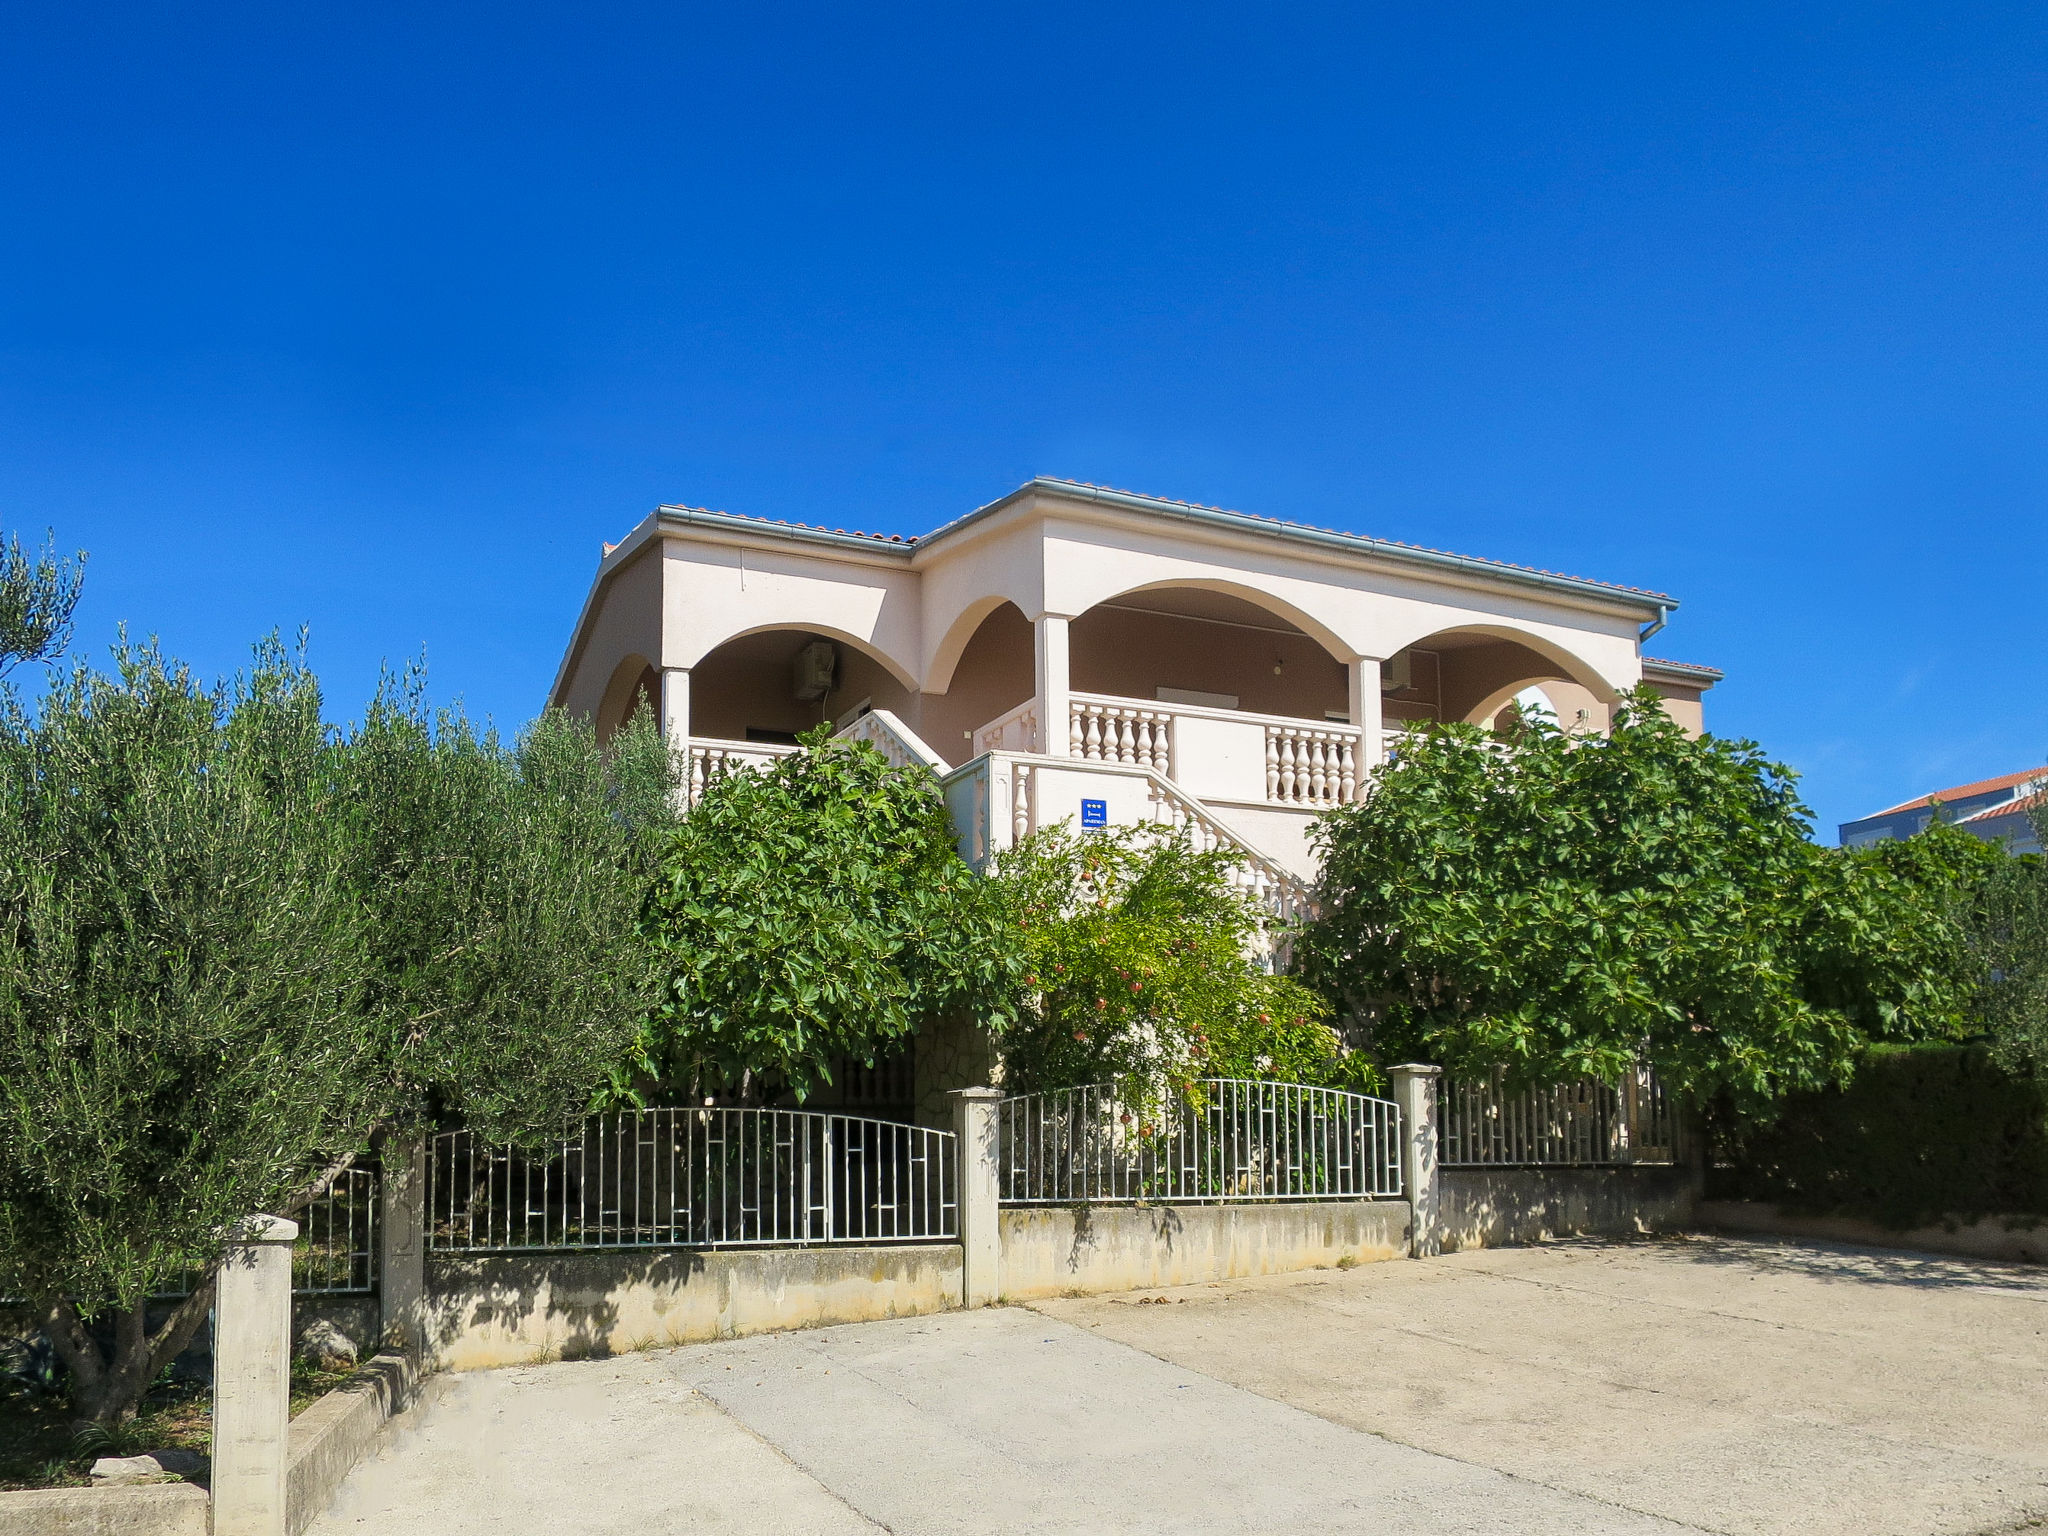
{"points": [[2025, 804], [1965, 791]]}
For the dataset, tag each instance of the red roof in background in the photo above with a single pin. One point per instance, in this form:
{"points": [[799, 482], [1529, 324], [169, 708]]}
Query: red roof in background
{"points": [[1965, 791], [2025, 804]]}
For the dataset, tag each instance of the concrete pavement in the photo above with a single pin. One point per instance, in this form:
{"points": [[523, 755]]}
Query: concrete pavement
{"points": [[1699, 1384], [1729, 1385]]}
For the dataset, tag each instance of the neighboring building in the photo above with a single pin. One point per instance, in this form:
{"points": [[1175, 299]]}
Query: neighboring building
{"points": [[1069, 651], [1999, 810]]}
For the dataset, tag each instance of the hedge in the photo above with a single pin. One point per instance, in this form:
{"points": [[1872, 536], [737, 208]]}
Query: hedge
{"points": [[1922, 1134]]}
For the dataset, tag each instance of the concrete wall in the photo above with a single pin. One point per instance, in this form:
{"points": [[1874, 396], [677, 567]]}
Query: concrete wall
{"points": [[1499, 1207], [332, 1435], [149, 1509], [1059, 1250], [518, 1309]]}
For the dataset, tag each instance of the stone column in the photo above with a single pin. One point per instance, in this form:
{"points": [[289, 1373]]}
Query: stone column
{"points": [[1415, 1091], [675, 707], [977, 1133], [402, 1246], [252, 1379], [1365, 712], [1055, 691]]}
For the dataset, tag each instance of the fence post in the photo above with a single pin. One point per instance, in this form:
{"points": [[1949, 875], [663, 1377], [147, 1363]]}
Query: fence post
{"points": [[402, 1245], [252, 1379], [1415, 1092], [979, 1192]]}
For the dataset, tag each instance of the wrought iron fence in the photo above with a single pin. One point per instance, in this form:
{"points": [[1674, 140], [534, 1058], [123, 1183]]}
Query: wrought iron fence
{"points": [[1587, 1123], [662, 1178], [1238, 1140], [336, 1253]]}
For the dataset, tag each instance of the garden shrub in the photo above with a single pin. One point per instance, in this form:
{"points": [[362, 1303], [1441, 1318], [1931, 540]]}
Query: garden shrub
{"points": [[1920, 1134], [1143, 972], [812, 913], [1567, 906]]}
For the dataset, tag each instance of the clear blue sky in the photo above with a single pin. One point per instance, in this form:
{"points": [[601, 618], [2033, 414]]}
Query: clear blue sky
{"points": [[379, 318]]}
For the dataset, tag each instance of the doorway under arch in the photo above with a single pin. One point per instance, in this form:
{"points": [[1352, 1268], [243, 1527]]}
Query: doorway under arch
{"points": [[747, 688], [1475, 676], [1196, 645]]}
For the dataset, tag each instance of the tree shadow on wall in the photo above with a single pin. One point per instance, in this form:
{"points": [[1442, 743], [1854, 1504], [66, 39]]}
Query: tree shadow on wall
{"points": [[563, 1306], [1165, 1221]]}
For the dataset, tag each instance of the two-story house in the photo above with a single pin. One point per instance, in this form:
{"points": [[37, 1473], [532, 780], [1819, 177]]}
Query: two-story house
{"points": [[1074, 652]]}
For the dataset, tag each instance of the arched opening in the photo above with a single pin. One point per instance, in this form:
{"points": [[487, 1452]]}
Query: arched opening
{"points": [[635, 686], [771, 684], [1199, 646], [1484, 678], [996, 671]]}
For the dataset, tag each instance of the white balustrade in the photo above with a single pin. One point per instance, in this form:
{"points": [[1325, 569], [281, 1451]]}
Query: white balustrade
{"points": [[1023, 803], [709, 759], [1311, 765], [1015, 732], [1308, 765], [1104, 730], [903, 747]]}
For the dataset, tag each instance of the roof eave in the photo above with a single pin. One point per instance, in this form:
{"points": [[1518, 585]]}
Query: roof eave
{"points": [[1683, 672], [1646, 603], [609, 565], [732, 522]]}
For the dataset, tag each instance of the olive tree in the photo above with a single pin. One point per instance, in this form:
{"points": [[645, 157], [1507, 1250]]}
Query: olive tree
{"points": [[38, 593], [237, 950], [180, 976], [1563, 906], [500, 888]]}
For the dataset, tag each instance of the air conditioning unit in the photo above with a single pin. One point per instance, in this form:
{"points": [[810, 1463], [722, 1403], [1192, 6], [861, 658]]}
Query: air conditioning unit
{"points": [[815, 668]]}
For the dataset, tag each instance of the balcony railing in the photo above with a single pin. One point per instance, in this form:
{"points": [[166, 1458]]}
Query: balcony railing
{"points": [[1219, 754], [709, 759]]}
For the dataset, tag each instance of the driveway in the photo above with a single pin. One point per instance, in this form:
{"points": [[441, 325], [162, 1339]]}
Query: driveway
{"points": [[1692, 1384]]}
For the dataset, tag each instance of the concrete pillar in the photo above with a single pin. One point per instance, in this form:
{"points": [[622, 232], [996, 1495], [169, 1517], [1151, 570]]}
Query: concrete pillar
{"points": [[252, 1379], [1365, 711], [1055, 690], [675, 707], [978, 1189], [402, 1246], [1415, 1091]]}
